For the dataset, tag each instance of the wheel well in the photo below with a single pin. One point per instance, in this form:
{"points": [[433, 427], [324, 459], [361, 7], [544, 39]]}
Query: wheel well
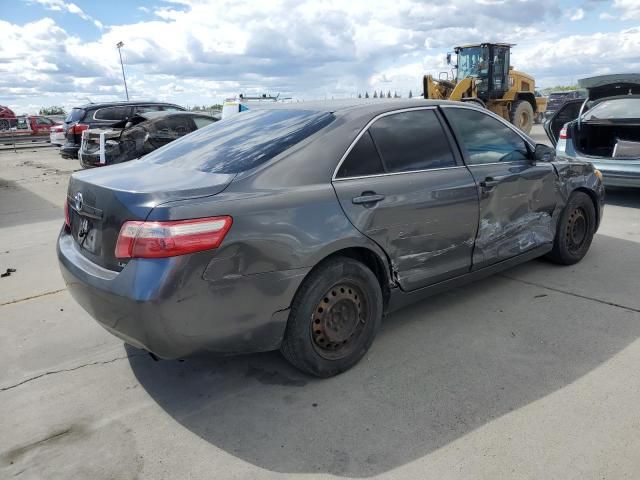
{"points": [[529, 97], [371, 260], [594, 199]]}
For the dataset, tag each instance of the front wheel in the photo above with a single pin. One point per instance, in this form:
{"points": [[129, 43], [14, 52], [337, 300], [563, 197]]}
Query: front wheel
{"points": [[334, 318], [575, 230], [522, 115]]}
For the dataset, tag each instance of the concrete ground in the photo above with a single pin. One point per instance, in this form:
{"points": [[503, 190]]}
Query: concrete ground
{"points": [[529, 374]]}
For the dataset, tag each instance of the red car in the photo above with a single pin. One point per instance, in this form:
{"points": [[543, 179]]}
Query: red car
{"points": [[24, 125]]}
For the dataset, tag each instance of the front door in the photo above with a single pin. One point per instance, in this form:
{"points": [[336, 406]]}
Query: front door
{"points": [[517, 193], [402, 185]]}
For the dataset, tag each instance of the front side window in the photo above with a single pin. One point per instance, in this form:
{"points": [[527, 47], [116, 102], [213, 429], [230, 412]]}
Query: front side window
{"points": [[485, 139], [241, 142], [473, 62], [412, 140], [111, 113]]}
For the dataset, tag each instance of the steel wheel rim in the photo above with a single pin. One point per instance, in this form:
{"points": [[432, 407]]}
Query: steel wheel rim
{"points": [[577, 228], [338, 321]]}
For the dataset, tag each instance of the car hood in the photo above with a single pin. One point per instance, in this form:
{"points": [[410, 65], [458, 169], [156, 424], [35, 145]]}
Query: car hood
{"points": [[614, 85]]}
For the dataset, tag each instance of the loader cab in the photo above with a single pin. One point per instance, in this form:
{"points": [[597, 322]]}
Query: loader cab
{"points": [[488, 65]]}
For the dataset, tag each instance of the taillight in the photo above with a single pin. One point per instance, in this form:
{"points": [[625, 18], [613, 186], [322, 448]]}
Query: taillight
{"points": [[169, 239], [564, 133], [67, 219], [78, 128]]}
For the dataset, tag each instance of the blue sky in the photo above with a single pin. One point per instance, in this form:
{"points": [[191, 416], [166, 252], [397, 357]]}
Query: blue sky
{"points": [[200, 52]]}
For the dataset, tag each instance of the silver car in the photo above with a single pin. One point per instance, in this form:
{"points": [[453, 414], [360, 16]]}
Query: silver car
{"points": [[604, 128]]}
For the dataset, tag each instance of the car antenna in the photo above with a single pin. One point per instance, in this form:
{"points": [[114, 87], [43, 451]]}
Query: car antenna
{"points": [[88, 99]]}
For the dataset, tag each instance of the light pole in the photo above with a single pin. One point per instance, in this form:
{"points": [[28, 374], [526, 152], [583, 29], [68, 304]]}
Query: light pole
{"points": [[119, 45]]}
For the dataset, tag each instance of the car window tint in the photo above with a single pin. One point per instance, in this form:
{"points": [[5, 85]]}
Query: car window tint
{"points": [[203, 121], [485, 139], [75, 115], [619, 108], [363, 159], [241, 142], [147, 108], [412, 141], [111, 113]]}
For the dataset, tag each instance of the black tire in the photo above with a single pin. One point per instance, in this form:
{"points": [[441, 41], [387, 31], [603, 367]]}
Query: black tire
{"points": [[575, 230], [334, 318], [521, 115]]}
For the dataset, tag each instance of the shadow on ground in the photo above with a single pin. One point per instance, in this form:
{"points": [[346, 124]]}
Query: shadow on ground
{"points": [[20, 206], [437, 371], [623, 197]]}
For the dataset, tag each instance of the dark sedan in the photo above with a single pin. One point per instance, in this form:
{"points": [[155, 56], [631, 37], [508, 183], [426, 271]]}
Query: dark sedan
{"points": [[137, 136], [299, 227]]}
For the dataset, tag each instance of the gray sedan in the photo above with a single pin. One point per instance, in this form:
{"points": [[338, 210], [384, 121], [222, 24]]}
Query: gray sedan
{"points": [[299, 227]]}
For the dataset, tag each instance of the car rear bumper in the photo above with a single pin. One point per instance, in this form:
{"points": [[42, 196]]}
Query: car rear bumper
{"points": [[167, 307]]}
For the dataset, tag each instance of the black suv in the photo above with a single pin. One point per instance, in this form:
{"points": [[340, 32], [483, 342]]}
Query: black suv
{"points": [[96, 115]]}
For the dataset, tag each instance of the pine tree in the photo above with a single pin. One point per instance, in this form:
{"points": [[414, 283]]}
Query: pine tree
{"points": [[375, 94], [410, 94], [366, 94], [389, 94], [359, 95]]}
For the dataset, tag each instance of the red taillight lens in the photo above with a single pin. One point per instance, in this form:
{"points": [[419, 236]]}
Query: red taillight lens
{"points": [[78, 128], [67, 219], [563, 133], [169, 239]]}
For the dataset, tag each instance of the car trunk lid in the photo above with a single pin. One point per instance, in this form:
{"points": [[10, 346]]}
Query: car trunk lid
{"points": [[100, 201]]}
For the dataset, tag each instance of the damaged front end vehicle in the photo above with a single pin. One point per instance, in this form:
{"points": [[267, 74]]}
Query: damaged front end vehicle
{"points": [[135, 137]]}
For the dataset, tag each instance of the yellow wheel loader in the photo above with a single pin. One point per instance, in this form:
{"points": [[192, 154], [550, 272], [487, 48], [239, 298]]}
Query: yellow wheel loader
{"points": [[484, 77]]}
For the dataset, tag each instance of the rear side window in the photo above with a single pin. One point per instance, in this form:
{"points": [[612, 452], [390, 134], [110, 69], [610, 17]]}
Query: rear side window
{"points": [[241, 142], [111, 113], [75, 115], [411, 141], [363, 159], [485, 139], [203, 121], [147, 108]]}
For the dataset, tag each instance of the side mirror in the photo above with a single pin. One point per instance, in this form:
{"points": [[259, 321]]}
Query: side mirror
{"points": [[544, 153], [448, 59]]}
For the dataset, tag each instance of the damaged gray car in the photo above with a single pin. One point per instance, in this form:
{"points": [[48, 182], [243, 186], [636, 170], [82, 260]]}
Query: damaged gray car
{"points": [[298, 227], [137, 136]]}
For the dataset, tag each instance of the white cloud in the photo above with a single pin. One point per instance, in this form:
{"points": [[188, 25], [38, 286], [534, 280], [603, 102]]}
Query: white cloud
{"points": [[630, 9], [199, 52], [607, 16], [61, 5], [574, 15]]}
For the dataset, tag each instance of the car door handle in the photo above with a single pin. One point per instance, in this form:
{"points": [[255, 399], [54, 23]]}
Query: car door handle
{"points": [[367, 197], [490, 182]]}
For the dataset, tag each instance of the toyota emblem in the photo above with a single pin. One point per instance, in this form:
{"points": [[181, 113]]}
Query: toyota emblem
{"points": [[78, 201]]}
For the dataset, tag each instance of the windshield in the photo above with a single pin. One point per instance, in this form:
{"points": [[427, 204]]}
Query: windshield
{"points": [[472, 62], [616, 109], [75, 115], [241, 142]]}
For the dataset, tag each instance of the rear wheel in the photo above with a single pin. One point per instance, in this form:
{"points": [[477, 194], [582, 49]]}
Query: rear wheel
{"points": [[575, 230], [522, 115], [334, 318]]}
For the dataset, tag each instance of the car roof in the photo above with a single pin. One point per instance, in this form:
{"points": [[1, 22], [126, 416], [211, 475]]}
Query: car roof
{"points": [[158, 114], [373, 106], [87, 106]]}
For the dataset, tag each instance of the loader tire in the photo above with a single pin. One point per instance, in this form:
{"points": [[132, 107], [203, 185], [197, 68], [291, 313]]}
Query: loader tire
{"points": [[522, 115]]}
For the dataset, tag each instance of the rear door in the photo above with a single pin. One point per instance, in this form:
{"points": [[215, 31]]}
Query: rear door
{"points": [[402, 184], [565, 114], [517, 194]]}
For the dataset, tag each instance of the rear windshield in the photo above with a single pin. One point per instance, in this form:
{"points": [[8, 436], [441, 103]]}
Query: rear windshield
{"points": [[241, 142], [75, 115], [620, 108]]}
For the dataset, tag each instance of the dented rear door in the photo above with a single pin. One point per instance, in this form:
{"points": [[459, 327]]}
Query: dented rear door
{"points": [[517, 195], [403, 186]]}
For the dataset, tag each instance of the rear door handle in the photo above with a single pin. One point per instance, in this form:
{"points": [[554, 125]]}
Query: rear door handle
{"points": [[490, 182], [367, 197]]}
